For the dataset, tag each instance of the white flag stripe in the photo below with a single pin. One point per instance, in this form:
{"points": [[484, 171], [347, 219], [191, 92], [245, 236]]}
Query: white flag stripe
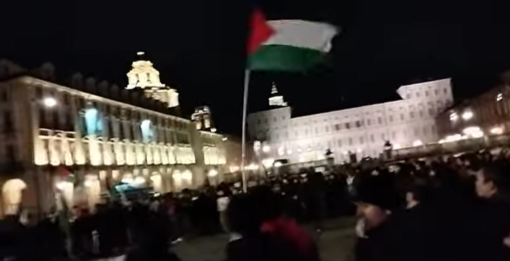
{"points": [[303, 34]]}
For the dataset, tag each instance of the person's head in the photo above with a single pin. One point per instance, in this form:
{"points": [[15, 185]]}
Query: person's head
{"points": [[242, 218], [491, 179], [372, 214]]}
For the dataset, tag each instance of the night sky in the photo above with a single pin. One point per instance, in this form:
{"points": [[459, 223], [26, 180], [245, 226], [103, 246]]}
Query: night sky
{"points": [[198, 46]]}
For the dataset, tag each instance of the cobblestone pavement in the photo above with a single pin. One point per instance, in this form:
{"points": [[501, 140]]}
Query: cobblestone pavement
{"points": [[335, 244]]}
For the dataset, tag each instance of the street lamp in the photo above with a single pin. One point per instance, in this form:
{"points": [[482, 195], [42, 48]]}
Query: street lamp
{"points": [[49, 102], [467, 115]]}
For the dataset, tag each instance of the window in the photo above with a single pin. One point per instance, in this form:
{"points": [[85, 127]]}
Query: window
{"points": [[369, 121], [358, 124], [361, 140], [408, 96], [411, 114], [391, 118], [316, 130], [426, 93], [327, 128], [393, 135], [445, 91], [8, 126], [379, 120], [372, 139], [431, 111], [401, 116], [350, 141], [418, 95], [347, 125], [436, 92], [274, 119], [337, 127], [339, 143], [421, 113]]}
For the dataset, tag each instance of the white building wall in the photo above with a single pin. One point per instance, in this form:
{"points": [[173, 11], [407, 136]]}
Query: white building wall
{"points": [[361, 130]]}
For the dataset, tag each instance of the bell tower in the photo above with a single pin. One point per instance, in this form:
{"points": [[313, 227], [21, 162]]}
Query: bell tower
{"points": [[143, 75], [276, 100]]}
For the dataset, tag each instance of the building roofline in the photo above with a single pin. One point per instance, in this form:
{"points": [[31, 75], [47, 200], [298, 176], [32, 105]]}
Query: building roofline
{"points": [[27, 79]]}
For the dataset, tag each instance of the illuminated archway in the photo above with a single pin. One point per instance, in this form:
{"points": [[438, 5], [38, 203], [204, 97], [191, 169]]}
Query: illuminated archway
{"points": [[12, 192]]}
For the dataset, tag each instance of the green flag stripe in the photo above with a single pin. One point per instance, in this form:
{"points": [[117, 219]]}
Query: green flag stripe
{"points": [[284, 58]]}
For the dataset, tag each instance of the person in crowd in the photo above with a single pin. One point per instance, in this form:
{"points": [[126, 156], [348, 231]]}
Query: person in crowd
{"points": [[223, 199], [265, 233], [493, 213]]}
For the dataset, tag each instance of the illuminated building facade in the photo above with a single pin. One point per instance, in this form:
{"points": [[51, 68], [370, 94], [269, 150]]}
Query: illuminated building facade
{"points": [[82, 138], [203, 119], [360, 131], [485, 114]]}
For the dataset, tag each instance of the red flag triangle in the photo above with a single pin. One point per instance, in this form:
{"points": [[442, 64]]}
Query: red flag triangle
{"points": [[260, 31]]}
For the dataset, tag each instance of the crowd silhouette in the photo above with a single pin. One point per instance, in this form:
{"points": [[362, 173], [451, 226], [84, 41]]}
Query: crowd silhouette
{"points": [[443, 208]]}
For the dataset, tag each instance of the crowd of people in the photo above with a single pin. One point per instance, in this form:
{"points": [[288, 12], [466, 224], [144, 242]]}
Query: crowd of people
{"points": [[455, 208]]}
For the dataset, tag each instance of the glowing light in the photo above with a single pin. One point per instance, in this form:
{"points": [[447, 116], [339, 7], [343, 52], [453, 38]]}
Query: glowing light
{"points": [[224, 139], [186, 175], [278, 164], [252, 167], [499, 97], [61, 185], [497, 130], [234, 168], [49, 102], [417, 143], [454, 116], [87, 183], [289, 152], [138, 181], [257, 145], [212, 173], [266, 148], [474, 132], [213, 129], [467, 115], [268, 162], [281, 151], [396, 146]]}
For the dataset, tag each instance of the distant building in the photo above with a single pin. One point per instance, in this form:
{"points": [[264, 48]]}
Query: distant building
{"points": [[276, 100], [485, 114], [83, 138], [144, 76], [360, 131]]}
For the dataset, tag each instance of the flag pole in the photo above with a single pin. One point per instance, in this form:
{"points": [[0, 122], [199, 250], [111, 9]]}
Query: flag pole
{"points": [[243, 137]]}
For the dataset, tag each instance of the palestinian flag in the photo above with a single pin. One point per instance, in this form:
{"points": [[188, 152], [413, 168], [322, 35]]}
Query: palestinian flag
{"points": [[288, 45]]}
